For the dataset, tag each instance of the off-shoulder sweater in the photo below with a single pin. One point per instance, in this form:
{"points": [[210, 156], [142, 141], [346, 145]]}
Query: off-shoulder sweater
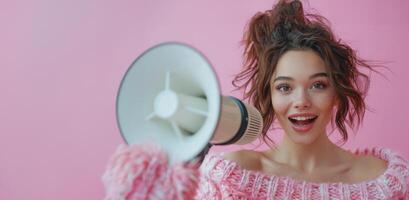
{"points": [[142, 172]]}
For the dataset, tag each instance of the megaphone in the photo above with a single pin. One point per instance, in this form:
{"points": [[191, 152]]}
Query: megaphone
{"points": [[170, 95]]}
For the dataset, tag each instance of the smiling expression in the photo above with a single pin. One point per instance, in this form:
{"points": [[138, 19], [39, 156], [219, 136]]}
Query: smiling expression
{"points": [[302, 95]]}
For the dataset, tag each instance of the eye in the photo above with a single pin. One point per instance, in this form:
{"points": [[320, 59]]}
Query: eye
{"points": [[319, 85], [283, 88]]}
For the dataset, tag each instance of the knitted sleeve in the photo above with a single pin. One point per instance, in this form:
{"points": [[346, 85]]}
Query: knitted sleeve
{"points": [[209, 189], [142, 172], [215, 181]]}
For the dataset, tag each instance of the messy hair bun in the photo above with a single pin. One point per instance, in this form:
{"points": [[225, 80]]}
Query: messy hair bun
{"points": [[286, 27]]}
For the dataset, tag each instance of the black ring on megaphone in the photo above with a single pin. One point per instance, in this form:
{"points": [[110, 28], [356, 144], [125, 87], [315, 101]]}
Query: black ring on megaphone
{"points": [[243, 124]]}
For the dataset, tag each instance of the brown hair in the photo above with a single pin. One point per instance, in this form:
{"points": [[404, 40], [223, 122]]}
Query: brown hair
{"points": [[285, 27]]}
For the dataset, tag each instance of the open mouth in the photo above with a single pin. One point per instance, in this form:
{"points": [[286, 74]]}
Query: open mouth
{"points": [[302, 120], [303, 123]]}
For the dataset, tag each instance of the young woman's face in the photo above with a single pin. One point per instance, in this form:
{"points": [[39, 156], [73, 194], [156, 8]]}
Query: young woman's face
{"points": [[302, 96]]}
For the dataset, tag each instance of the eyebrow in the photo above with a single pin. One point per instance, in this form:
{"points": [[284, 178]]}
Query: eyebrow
{"points": [[322, 74]]}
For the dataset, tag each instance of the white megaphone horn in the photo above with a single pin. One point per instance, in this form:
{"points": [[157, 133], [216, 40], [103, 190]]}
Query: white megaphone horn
{"points": [[170, 95]]}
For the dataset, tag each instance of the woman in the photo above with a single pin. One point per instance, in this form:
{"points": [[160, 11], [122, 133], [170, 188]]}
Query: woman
{"points": [[299, 74]]}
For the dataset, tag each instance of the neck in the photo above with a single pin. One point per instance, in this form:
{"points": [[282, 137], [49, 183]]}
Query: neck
{"points": [[308, 157]]}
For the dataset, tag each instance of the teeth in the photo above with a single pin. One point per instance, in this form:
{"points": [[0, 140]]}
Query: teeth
{"points": [[302, 118]]}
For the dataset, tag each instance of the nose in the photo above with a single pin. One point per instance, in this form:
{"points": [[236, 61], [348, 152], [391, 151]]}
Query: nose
{"points": [[302, 100]]}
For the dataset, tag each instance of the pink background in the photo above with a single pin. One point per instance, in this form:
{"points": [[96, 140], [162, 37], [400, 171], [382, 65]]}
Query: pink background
{"points": [[62, 62]]}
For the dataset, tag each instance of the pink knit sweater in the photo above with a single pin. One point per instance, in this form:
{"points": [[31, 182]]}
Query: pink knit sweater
{"points": [[142, 172]]}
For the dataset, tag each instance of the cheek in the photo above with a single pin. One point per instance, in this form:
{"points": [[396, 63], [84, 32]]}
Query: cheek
{"points": [[280, 105], [325, 102]]}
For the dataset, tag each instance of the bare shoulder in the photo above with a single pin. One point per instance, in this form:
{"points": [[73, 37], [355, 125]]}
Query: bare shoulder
{"points": [[369, 167], [246, 159]]}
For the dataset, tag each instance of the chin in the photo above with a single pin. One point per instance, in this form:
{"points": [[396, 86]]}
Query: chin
{"points": [[304, 138], [302, 141]]}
